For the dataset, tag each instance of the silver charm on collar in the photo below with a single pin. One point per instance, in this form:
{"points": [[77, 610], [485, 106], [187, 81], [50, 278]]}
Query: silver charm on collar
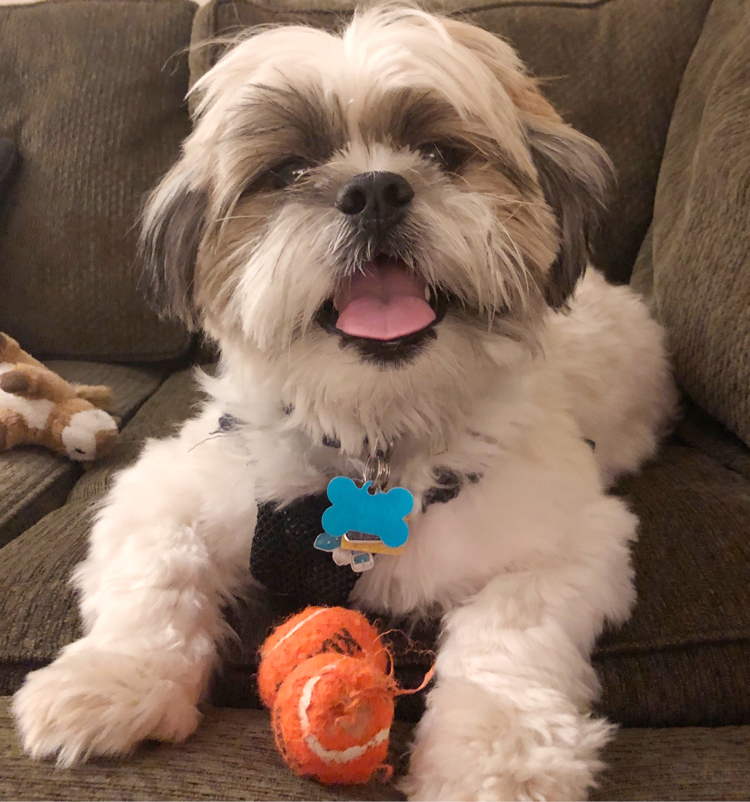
{"points": [[377, 470]]}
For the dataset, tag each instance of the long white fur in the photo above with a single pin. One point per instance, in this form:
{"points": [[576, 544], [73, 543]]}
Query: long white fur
{"points": [[527, 564]]}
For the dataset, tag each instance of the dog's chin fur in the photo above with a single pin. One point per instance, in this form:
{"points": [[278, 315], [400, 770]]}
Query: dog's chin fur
{"points": [[524, 369], [334, 392]]}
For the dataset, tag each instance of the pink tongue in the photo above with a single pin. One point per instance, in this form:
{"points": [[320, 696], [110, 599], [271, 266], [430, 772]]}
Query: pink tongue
{"points": [[385, 302]]}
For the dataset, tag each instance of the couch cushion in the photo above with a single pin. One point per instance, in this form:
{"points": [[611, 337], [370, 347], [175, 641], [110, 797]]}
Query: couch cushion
{"points": [[684, 656], [232, 756], [614, 70], [697, 429], [677, 763], [34, 481], [701, 230], [92, 93]]}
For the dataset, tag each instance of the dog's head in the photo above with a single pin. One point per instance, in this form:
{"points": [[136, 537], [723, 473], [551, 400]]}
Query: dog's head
{"points": [[375, 213]]}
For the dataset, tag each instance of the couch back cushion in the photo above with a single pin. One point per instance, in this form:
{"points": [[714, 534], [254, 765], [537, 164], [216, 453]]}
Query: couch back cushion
{"points": [[92, 92], [700, 253], [613, 68]]}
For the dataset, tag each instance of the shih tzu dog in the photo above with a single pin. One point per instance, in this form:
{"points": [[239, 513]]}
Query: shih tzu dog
{"points": [[386, 233]]}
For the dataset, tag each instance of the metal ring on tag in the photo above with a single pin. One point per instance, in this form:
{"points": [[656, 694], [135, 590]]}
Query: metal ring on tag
{"points": [[377, 471]]}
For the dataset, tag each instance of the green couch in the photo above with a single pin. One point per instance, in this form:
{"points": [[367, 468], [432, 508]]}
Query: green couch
{"points": [[92, 91]]}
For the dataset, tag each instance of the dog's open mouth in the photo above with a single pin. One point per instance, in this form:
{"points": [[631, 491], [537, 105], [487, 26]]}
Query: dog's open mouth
{"points": [[384, 301], [387, 310]]}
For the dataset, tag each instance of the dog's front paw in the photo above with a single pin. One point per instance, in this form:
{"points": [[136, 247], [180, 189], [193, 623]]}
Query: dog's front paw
{"points": [[99, 703], [474, 745]]}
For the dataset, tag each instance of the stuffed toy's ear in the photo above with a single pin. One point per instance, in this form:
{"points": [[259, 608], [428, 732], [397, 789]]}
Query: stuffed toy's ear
{"points": [[11, 351]]}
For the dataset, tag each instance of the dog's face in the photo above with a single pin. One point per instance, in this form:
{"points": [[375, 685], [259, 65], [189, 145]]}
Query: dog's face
{"points": [[377, 213]]}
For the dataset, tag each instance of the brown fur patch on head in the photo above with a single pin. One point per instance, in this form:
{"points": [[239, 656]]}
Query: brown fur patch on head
{"points": [[221, 258], [525, 218], [413, 117], [500, 58], [573, 171], [408, 117], [280, 121]]}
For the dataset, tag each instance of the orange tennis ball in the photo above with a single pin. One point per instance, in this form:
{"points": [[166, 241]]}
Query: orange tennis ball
{"points": [[316, 630], [332, 718]]}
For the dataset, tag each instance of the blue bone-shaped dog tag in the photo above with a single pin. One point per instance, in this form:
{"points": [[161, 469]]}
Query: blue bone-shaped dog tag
{"points": [[356, 509]]}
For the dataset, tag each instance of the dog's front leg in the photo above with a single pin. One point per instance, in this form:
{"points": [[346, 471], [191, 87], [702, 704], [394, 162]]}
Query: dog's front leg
{"points": [[508, 718], [169, 547]]}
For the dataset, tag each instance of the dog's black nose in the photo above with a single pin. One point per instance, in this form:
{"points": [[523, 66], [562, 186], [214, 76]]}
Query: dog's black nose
{"points": [[376, 200]]}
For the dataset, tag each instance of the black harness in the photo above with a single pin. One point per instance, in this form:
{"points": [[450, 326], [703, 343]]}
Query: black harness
{"points": [[283, 558]]}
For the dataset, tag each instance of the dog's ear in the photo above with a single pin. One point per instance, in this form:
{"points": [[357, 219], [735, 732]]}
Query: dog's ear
{"points": [[575, 175], [173, 227], [574, 172]]}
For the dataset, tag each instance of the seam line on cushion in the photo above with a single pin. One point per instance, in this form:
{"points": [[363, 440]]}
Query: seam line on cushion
{"points": [[39, 488], [472, 10], [718, 457], [532, 4], [84, 3], [666, 645]]}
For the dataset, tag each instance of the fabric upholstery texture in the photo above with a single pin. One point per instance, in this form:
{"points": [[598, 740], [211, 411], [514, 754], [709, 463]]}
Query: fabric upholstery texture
{"points": [[684, 656], [34, 481], [92, 92], [678, 763], [232, 756], [613, 71], [699, 430], [642, 277], [701, 230]]}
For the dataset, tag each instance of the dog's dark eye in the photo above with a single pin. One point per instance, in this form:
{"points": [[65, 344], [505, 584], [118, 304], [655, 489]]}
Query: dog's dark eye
{"points": [[288, 172], [446, 157]]}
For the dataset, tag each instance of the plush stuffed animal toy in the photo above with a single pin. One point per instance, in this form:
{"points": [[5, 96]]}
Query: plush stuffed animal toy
{"points": [[38, 407]]}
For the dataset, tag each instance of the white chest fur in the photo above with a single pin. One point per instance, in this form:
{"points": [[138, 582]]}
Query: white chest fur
{"points": [[528, 503]]}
